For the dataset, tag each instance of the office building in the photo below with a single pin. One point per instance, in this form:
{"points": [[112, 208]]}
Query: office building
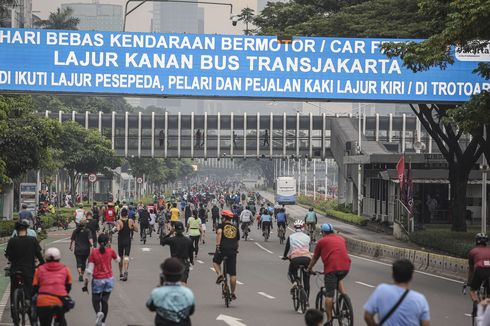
{"points": [[178, 18], [95, 16], [17, 16]]}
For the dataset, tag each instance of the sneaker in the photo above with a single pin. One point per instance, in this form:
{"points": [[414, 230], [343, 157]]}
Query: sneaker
{"points": [[80, 278], [121, 276], [98, 320]]}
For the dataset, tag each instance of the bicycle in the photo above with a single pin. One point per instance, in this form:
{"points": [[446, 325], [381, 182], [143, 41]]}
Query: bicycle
{"points": [[266, 230], [246, 230], [482, 293], [143, 232], [342, 306], [225, 286], [298, 292], [20, 308], [311, 231], [281, 233]]}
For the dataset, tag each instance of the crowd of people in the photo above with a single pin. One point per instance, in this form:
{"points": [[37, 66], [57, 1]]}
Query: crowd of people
{"points": [[179, 221]]}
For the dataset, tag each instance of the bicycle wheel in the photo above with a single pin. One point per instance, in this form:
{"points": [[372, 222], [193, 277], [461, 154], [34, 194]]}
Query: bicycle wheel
{"points": [[226, 293], [18, 310], [303, 300], [346, 313], [295, 299], [319, 301]]}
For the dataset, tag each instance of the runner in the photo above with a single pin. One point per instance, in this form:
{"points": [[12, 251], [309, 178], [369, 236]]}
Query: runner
{"points": [[82, 237], [194, 230], [124, 227]]}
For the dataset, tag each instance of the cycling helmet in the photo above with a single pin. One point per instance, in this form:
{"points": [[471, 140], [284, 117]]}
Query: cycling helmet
{"points": [[22, 224], [299, 224], [52, 254], [481, 238], [326, 228], [227, 214]]}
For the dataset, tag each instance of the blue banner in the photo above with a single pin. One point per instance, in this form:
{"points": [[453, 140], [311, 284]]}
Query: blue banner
{"points": [[344, 69]]}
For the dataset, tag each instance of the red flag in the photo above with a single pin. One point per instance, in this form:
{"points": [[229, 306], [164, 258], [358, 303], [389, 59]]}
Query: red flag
{"points": [[400, 169]]}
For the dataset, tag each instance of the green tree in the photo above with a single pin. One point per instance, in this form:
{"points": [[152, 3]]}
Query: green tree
{"points": [[81, 103], [247, 17], [25, 138], [85, 151], [462, 24], [61, 19]]}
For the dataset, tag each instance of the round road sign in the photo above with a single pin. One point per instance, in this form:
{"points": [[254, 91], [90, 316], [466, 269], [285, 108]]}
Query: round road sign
{"points": [[92, 177], [139, 180]]}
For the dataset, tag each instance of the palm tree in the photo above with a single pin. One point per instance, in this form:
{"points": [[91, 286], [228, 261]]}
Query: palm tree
{"points": [[247, 16], [61, 19]]}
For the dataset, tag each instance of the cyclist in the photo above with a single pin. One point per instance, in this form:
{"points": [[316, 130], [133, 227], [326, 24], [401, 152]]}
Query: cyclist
{"points": [[109, 217], [215, 216], [336, 264], [282, 219], [124, 227], [144, 220], [22, 252], [24, 214], [172, 302], [311, 220], [82, 237], [297, 250], [180, 247], [51, 281], [227, 237], [479, 265], [100, 268], [245, 219], [266, 221]]}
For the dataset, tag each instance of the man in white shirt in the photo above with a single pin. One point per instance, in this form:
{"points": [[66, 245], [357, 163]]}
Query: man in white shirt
{"points": [[245, 219]]}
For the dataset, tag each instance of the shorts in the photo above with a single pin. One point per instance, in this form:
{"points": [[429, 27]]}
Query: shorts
{"points": [[203, 227], [102, 285], [479, 276], [81, 261], [230, 261], [331, 281], [123, 249]]}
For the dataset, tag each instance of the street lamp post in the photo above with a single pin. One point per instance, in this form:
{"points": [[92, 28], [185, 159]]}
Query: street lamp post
{"points": [[142, 2]]}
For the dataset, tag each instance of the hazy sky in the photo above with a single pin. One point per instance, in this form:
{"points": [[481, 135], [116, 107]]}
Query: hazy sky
{"points": [[216, 17]]}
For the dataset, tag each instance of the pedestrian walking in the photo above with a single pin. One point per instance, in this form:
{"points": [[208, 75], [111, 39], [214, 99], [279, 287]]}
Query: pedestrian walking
{"points": [[82, 238], [266, 138], [395, 304], [124, 227], [172, 302], [194, 231], [180, 247], [100, 269], [93, 226], [198, 139]]}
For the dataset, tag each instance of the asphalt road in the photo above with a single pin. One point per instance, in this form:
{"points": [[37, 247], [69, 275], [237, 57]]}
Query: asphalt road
{"points": [[263, 292]]}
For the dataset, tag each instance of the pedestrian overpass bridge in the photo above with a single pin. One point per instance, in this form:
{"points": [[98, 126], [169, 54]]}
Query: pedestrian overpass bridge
{"points": [[250, 136]]}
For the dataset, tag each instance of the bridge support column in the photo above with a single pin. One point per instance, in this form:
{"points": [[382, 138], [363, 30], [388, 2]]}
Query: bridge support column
{"points": [[341, 188]]}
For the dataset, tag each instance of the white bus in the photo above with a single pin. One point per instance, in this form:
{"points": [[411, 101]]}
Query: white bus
{"points": [[286, 190]]}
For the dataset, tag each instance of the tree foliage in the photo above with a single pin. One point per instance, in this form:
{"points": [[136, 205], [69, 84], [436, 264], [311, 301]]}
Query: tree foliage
{"points": [[61, 19], [81, 103], [160, 171], [247, 16]]}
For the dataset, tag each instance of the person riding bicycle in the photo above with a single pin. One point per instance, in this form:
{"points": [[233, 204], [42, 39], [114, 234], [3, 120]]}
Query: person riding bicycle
{"points": [[479, 265], [22, 252], [266, 222], [25, 214], [227, 237], [297, 250], [336, 264], [172, 302], [245, 220], [281, 219], [52, 281], [144, 220], [311, 220]]}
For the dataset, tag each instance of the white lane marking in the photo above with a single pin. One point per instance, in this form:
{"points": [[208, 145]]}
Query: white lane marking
{"points": [[3, 301], [250, 239], [365, 284], [61, 240], [468, 315], [420, 272], [231, 321], [200, 261], [145, 249], [238, 282], [261, 247], [268, 296]]}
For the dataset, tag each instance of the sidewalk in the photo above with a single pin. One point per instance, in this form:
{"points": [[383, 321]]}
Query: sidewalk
{"points": [[353, 231]]}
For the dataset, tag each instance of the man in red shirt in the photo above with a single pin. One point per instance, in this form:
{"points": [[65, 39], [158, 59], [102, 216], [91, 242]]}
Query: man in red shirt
{"points": [[336, 264]]}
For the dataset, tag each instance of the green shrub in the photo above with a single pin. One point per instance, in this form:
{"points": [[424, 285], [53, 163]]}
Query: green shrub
{"points": [[6, 228], [330, 208], [445, 241], [347, 217], [47, 221]]}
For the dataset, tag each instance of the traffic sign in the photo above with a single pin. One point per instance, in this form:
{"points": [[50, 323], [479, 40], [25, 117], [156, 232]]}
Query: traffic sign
{"points": [[92, 177], [139, 180]]}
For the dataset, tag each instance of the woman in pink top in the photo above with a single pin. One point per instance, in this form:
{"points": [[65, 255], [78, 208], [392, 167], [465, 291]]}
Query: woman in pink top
{"points": [[100, 268]]}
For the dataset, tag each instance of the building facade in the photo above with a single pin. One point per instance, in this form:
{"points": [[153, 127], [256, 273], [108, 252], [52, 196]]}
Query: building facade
{"points": [[95, 16]]}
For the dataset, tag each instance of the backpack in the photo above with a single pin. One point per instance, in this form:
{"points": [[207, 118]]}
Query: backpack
{"points": [[95, 212], [215, 211]]}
